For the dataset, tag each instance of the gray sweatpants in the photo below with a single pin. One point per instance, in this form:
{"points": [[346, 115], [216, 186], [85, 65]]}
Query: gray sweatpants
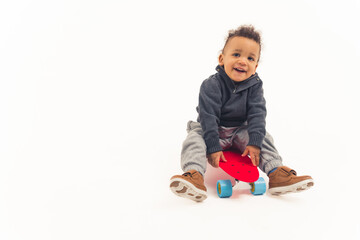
{"points": [[193, 154]]}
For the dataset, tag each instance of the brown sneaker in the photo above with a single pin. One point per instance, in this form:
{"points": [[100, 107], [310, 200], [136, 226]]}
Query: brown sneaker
{"points": [[284, 180], [189, 185]]}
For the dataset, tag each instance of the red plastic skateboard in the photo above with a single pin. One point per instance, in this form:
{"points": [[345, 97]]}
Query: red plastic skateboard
{"points": [[242, 169]]}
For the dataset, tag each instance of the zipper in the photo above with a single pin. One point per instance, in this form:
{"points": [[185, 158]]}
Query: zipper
{"points": [[234, 90]]}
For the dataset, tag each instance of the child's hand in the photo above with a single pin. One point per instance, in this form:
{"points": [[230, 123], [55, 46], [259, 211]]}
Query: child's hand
{"points": [[254, 153], [214, 158]]}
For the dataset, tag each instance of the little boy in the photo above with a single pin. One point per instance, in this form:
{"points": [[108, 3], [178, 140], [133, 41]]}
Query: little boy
{"points": [[231, 114]]}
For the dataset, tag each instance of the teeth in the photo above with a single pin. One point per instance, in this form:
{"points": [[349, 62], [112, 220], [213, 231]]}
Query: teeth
{"points": [[240, 70]]}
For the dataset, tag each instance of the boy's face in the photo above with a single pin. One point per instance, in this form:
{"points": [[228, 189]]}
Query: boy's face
{"points": [[240, 58]]}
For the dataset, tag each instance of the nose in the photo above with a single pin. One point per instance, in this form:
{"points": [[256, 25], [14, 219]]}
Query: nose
{"points": [[242, 61]]}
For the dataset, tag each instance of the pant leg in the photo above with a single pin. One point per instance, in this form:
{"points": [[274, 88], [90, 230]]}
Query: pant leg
{"points": [[269, 156], [193, 153], [225, 136]]}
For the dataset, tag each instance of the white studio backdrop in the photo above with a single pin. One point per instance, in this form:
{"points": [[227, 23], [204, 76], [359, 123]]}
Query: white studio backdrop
{"points": [[95, 96]]}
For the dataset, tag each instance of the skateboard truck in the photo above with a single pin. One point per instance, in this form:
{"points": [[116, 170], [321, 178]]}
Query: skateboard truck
{"points": [[225, 187]]}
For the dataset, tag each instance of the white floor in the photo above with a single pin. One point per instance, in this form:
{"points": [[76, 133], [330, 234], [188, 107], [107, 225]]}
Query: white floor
{"points": [[94, 100], [57, 196]]}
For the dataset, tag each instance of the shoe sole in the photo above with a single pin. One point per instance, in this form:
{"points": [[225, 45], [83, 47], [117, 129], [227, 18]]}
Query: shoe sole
{"points": [[297, 187], [183, 188]]}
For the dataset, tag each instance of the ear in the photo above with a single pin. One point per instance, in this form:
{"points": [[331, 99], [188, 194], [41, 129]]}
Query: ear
{"points": [[221, 59]]}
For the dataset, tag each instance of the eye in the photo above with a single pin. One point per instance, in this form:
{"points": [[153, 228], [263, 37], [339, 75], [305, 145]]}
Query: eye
{"points": [[236, 54], [251, 59]]}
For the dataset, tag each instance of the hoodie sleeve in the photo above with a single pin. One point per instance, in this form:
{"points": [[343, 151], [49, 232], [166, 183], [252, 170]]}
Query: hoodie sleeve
{"points": [[209, 109], [256, 115]]}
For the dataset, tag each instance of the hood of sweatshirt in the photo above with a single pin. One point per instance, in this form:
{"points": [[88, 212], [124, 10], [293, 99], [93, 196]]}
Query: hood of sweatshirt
{"points": [[239, 86]]}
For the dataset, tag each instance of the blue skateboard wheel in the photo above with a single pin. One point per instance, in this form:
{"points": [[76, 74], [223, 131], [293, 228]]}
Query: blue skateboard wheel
{"points": [[224, 188], [258, 187]]}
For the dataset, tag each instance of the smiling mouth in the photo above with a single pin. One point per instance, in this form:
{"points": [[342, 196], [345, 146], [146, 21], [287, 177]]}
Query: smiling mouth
{"points": [[240, 70]]}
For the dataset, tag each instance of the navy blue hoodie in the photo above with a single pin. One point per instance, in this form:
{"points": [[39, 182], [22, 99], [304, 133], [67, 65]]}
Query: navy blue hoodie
{"points": [[224, 103]]}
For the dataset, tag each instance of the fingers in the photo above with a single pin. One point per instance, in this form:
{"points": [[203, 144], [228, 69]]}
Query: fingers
{"points": [[215, 158], [255, 159], [254, 154], [222, 158], [215, 163], [245, 153]]}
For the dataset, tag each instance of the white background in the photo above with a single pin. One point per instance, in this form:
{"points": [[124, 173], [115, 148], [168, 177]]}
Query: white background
{"points": [[94, 100]]}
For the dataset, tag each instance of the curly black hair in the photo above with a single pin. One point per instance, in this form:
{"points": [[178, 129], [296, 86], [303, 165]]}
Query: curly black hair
{"points": [[247, 31]]}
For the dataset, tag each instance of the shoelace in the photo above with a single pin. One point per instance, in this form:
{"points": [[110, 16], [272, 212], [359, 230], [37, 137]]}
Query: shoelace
{"points": [[187, 174], [290, 172]]}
